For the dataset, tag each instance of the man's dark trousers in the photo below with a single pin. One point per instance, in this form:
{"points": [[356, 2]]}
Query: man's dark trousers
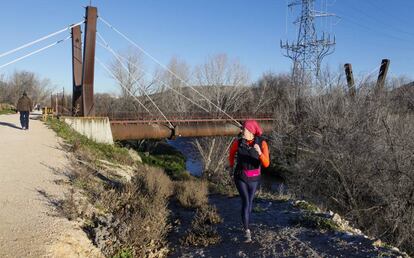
{"points": [[24, 119]]}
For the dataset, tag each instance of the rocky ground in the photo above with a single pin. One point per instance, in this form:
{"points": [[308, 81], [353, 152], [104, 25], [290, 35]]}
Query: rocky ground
{"points": [[279, 229]]}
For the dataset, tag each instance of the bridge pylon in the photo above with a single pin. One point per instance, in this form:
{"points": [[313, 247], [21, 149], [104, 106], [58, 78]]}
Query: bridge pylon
{"points": [[83, 65], [77, 105]]}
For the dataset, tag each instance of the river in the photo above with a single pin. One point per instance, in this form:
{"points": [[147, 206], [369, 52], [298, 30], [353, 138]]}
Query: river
{"points": [[194, 164]]}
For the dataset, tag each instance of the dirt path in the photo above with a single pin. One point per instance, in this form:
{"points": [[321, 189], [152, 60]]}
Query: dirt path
{"points": [[275, 234], [30, 163]]}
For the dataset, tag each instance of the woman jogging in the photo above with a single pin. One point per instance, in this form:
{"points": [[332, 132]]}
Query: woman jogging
{"points": [[248, 154]]}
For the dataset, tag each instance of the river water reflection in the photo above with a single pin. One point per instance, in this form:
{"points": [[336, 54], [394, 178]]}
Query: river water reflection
{"points": [[185, 145]]}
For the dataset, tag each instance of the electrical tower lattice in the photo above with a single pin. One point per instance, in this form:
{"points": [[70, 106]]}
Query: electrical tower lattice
{"points": [[309, 50]]}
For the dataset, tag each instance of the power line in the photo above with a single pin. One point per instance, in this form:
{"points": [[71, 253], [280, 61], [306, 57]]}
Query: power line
{"points": [[395, 17], [377, 31], [380, 21]]}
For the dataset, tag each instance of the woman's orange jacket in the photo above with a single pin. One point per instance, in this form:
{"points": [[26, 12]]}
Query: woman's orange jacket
{"points": [[264, 157]]}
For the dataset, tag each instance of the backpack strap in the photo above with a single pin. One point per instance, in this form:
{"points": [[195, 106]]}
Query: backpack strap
{"points": [[258, 140]]}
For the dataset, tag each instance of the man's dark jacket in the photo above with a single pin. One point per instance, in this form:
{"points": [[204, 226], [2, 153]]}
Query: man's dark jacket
{"points": [[24, 104]]}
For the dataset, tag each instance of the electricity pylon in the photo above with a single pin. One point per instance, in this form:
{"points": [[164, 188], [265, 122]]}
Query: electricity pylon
{"points": [[309, 50]]}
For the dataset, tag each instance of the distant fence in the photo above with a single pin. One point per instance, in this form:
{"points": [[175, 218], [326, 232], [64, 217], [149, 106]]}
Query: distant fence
{"points": [[60, 104]]}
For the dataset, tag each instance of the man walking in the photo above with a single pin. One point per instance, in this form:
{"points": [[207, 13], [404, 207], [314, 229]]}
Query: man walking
{"points": [[24, 106]]}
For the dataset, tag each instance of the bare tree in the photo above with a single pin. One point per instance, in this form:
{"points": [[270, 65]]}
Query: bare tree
{"points": [[132, 81], [271, 91], [172, 87], [107, 104], [224, 82], [38, 89]]}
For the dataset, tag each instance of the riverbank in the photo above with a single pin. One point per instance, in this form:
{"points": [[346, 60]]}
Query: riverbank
{"points": [[131, 209]]}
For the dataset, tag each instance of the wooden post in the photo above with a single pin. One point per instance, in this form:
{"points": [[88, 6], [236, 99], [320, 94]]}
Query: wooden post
{"points": [[350, 80], [57, 104], [89, 61], [385, 63], [63, 102], [77, 106]]}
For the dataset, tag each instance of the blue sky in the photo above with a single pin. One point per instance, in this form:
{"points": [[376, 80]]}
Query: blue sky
{"points": [[192, 30]]}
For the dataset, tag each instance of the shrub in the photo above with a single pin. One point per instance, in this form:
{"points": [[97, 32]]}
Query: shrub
{"points": [[306, 206], [137, 218], [124, 253], [191, 193], [314, 221], [202, 231], [352, 154]]}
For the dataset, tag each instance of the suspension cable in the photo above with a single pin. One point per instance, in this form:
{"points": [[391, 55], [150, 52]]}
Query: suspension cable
{"points": [[136, 81], [40, 39], [35, 52], [160, 81], [122, 85], [166, 68]]}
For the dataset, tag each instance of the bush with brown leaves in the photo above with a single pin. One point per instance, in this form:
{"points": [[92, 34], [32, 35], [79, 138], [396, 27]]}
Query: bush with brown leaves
{"points": [[191, 193]]}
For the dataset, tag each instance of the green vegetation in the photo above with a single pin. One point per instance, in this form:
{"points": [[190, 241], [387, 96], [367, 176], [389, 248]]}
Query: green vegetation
{"points": [[7, 111], [275, 197], [306, 206], [382, 244], [222, 188], [317, 222], [124, 253], [311, 219], [174, 165], [95, 150], [258, 209]]}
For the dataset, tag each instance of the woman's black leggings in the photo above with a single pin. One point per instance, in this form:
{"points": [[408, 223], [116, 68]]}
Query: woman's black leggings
{"points": [[246, 191]]}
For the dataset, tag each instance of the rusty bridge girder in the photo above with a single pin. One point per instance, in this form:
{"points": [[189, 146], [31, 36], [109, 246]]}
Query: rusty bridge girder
{"points": [[77, 105], [89, 61], [138, 130]]}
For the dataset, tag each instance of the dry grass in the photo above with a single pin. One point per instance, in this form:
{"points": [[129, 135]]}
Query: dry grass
{"points": [[138, 215], [202, 231], [191, 193], [69, 207], [125, 215]]}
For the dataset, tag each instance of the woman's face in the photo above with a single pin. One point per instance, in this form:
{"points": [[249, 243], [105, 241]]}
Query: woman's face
{"points": [[247, 134]]}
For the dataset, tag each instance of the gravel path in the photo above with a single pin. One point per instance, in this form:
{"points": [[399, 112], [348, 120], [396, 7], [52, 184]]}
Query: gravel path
{"points": [[31, 162], [275, 234]]}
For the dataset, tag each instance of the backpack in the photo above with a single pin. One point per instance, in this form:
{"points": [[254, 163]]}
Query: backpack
{"points": [[250, 168]]}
